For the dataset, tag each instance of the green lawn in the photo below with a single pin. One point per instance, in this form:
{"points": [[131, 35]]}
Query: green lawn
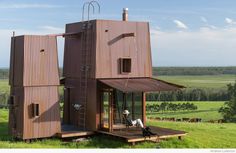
{"points": [[201, 81], [207, 110], [200, 135]]}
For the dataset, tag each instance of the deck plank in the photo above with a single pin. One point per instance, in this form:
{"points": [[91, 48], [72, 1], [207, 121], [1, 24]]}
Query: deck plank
{"points": [[134, 134], [68, 134]]}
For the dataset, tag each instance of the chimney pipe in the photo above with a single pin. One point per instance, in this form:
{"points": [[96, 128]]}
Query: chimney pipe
{"points": [[125, 14]]}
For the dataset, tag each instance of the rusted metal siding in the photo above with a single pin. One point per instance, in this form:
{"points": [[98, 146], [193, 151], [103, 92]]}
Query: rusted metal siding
{"points": [[21, 122], [31, 57], [40, 61], [111, 47], [16, 111], [34, 79], [92, 123], [107, 47], [16, 61], [73, 50], [48, 123], [140, 84], [72, 71], [72, 96]]}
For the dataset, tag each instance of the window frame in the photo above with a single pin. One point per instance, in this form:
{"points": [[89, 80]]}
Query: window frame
{"points": [[125, 67]]}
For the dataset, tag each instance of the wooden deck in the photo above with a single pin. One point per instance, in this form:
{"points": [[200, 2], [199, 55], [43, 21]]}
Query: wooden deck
{"points": [[134, 134]]}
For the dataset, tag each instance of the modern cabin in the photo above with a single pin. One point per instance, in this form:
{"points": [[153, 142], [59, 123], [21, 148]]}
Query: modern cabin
{"points": [[107, 68]]}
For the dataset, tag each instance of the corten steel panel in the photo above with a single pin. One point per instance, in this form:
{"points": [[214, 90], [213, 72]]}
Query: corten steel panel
{"points": [[73, 50], [35, 61], [11, 61], [140, 85], [111, 46], [48, 123], [72, 92], [107, 46], [40, 67], [16, 61], [16, 111], [70, 115], [92, 105]]}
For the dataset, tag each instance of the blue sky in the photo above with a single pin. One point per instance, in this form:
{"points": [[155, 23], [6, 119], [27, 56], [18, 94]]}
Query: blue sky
{"points": [[183, 32]]}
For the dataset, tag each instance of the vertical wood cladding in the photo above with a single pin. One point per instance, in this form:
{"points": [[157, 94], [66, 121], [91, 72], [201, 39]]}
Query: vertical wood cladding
{"points": [[34, 80], [109, 44], [34, 61]]}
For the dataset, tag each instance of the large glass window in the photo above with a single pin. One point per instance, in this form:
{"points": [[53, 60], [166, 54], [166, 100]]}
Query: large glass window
{"points": [[138, 106], [118, 107], [130, 101], [129, 104]]}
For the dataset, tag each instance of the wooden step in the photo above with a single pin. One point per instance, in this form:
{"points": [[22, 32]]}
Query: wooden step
{"points": [[69, 134]]}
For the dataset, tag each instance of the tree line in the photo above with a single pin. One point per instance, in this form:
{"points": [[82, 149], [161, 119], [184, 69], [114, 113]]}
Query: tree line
{"points": [[165, 106], [195, 94], [193, 70], [4, 72]]}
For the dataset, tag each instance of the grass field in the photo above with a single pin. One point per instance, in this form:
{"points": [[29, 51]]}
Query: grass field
{"points": [[4, 87], [207, 110], [200, 135], [201, 81]]}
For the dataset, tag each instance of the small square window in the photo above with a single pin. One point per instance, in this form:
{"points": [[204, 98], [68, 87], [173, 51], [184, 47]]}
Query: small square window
{"points": [[35, 110], [125, 65]]}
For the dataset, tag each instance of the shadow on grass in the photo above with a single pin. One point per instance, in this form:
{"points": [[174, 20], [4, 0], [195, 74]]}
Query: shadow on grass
{"points": [[4, 136], [98, 141]]}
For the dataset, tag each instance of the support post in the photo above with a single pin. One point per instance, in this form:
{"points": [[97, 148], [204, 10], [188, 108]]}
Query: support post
{"points": [[144, 108]]}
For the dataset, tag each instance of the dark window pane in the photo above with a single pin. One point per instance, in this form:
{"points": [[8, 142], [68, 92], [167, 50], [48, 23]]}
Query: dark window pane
{"points": [[125, 65]]}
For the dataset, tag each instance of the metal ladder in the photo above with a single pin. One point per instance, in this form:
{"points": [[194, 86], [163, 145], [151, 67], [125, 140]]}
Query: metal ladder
{"points": [[85, 62], [85, 72]]}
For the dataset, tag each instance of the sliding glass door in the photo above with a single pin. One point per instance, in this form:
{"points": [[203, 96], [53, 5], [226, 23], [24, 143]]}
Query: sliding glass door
{"points": [[113, 103], [106, 110]]}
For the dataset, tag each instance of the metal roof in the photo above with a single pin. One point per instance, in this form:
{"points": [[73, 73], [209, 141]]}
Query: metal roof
{"points": [[141, 85]]}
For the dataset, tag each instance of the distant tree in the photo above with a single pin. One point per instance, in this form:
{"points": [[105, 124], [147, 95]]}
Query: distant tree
{"points": [[229, 109], [162, 106]]}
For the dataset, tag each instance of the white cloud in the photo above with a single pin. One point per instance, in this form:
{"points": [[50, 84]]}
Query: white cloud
{"points": [[204, 19], [230, 21], [207, 25], [180, 24], [25, 6], [203, 47], [52, 29]]}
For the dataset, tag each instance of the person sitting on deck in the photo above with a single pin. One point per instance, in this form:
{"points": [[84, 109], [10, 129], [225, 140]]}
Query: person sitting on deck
{"points": [[137, 122], [131, 122]]}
